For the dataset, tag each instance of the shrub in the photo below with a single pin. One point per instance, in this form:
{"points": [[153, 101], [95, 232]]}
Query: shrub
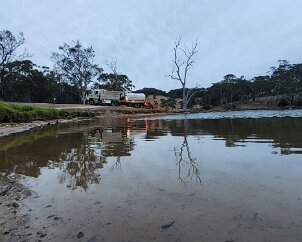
{"points": [[283, 102], [24, 113]]}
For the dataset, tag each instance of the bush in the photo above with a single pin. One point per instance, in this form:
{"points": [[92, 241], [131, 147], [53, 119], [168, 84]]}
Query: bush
{"points": [[283, 102], [298, 102], [24, 113]]}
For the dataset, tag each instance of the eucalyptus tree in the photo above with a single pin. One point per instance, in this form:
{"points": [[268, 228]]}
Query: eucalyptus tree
{"points": [[115, 80], [74, 64], [9, 45]]}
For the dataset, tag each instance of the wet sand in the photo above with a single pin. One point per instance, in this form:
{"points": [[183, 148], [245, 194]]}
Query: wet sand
{"points": [[7, 129], [14, 222]]}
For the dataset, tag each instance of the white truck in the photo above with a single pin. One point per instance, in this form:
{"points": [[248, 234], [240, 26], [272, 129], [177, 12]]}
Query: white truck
{"points": [[104, 97], [133, 99]]}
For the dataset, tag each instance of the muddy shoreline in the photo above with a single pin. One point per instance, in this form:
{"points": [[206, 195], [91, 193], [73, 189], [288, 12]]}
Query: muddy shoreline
{"points": [[14, 223], [7, 129]]}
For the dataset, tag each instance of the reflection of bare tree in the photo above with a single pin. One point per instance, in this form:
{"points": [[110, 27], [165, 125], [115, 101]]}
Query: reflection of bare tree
{"points": [[187, 165], [117, 165]]}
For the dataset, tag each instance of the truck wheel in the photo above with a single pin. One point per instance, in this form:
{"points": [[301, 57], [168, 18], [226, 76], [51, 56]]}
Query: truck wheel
{"points": [[91, 101]]}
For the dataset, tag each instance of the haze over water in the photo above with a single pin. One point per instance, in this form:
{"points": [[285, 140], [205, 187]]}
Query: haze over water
{"points": [[200, 177]]}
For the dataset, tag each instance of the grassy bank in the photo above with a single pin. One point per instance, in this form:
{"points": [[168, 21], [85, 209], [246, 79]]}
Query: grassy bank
{"points": [[24, 113]]}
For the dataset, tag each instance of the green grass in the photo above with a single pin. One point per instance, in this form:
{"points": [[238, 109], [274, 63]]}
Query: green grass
{"points": [[10, 112]]}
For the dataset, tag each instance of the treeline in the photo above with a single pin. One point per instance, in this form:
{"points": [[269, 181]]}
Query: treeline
{"points": [[25, 82], [74, 72], [283, 84]]}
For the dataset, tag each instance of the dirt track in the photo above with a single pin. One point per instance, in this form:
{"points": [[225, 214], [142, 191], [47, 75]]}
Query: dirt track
{"points": [[79, 106], [95, 108]]}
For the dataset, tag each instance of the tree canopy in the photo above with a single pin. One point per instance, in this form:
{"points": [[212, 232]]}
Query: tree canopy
{"points": [[9, 45], [114, 81], [74, 64], [151, 91]]}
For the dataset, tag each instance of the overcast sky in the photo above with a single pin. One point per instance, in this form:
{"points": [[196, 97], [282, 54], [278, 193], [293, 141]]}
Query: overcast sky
{"points": [[243, 37]]}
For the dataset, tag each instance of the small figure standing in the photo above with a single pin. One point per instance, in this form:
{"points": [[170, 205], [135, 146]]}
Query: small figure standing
{"points": [[148, 103], [155, 106]]}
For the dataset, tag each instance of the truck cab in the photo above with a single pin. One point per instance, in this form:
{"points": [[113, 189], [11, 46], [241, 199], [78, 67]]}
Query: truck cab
{"points": [[93, 96], [104, 97]]}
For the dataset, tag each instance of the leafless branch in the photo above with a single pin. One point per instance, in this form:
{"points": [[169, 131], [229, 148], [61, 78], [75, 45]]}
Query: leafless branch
{"points": [[189, 160], [112, 65], [182, 62], [192, 92]]}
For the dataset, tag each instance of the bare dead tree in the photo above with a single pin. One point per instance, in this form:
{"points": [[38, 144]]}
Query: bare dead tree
{"points": [[114, 80], [182, 62], [112, 65]]}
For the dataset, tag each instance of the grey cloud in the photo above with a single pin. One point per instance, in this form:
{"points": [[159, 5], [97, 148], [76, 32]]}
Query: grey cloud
{"points": [[244, 37]]}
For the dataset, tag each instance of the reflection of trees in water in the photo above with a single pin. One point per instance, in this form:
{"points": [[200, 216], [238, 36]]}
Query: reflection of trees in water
{"points": [[186, 163], [81, 166], [79, 155], [29, 157], [282, 132]]}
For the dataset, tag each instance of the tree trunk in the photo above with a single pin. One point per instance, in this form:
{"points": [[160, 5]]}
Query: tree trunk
{"points": [[184, 98], [82, 96]]}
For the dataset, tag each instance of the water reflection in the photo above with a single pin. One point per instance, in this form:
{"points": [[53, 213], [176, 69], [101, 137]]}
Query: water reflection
{"points": [[80, 166], [79, 152], [186, 163]]}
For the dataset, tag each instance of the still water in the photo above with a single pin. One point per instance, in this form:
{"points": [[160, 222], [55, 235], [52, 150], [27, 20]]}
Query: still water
{"points": [[185, 178]]}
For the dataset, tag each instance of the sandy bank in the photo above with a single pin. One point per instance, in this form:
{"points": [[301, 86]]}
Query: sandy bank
{"points": [[14, 223]]}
